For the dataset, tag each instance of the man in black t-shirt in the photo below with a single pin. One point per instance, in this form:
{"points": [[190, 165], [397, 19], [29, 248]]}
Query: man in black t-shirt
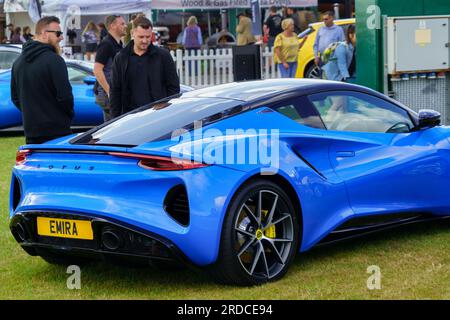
{"points": [[106, 52], [273, 23]]}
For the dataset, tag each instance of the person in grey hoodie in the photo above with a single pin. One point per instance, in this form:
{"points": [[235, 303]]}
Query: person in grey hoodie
{"points": [[40, 86]]}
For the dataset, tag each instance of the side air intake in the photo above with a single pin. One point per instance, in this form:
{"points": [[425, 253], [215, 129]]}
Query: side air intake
{"points": [[17, 194], [176, 204]]}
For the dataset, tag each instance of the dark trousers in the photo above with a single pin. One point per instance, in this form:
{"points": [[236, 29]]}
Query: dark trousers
{"points": [[39, 140], [321, 73], [103, 101], [271, 42]]}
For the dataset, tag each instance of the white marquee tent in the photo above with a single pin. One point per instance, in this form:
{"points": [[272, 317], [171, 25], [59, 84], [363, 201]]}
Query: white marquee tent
{"points": [[95, 7], [70, 12], [225, 4]]}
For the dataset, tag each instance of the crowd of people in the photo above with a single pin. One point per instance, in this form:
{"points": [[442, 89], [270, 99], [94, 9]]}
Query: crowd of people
{"points": [[131, 71], [334, 51], [127, 76], [280, 33], [15, 35], [91, 36]]}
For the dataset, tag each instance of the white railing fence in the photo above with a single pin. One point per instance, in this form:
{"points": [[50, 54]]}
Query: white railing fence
{"points": [[269, 68], [204, 68]]}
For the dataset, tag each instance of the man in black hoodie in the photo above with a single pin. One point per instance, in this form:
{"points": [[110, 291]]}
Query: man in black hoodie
{"points": [[141, 72], [40, 85]]}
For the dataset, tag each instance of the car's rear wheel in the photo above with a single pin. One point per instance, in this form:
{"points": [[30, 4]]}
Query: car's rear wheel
{"points": [[313, 72], [260, 236]]}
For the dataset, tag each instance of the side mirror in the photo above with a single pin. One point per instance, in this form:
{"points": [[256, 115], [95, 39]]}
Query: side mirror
{"points": [[429, 118], [90, 80]]}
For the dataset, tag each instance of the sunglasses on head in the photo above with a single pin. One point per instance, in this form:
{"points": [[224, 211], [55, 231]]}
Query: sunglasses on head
{"points": [[56, 32]]}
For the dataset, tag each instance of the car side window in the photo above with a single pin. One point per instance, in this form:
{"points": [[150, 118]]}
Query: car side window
{"points": [[300, 110], [7, 59], [290, 112], [360, 112], [76, 75]]}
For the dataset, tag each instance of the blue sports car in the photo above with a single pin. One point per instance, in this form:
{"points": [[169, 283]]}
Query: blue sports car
{"points": [[235, 179], [81, 77]]}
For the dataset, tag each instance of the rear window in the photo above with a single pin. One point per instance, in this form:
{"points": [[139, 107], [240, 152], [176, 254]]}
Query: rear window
{"points": [[160, 121]]}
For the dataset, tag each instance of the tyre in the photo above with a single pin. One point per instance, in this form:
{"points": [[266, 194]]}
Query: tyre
{"points": [[313, 72], [260, 236]]}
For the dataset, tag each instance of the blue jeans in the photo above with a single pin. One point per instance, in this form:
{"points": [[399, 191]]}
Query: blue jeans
{"points": [[270, 42], [289, 72]]}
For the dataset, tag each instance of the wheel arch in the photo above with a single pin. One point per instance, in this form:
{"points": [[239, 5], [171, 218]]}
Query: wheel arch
{"points": [[287, 187], [220, 269], [307, 66]]}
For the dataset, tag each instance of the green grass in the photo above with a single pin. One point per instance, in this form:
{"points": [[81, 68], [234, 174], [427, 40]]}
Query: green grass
{"points": [[414, 261]]}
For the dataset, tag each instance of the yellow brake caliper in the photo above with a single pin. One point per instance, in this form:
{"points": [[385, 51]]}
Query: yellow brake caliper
{"points": [[271, 231]]}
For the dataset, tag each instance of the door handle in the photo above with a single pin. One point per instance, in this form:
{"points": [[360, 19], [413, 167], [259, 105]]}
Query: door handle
{"points": [[345, 154]]}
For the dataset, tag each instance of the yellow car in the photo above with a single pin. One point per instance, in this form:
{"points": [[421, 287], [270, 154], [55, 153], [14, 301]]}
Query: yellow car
{"points": [[306, 67]]}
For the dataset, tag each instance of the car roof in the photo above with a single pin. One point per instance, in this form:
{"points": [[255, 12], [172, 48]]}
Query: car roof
{"points": [[337, 22], [270, 89], [85, 64], [11, 47], [342, 22]]}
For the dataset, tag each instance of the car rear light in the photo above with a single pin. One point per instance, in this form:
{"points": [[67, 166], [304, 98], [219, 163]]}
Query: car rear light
{"points": [[21, 156], [158, 163]]}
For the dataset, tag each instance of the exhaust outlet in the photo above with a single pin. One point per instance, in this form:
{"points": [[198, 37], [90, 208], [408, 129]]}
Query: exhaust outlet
{"points": [[20, 231], [112, 239]]}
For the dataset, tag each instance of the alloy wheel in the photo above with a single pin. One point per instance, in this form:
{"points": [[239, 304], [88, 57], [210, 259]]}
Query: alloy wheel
{"points": [[264, 234]]}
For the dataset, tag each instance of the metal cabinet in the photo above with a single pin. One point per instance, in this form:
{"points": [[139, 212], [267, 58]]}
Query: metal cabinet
{"points": [[418, 44]]}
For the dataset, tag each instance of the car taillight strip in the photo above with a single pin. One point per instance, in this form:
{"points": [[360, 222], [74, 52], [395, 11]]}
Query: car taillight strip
{"points": [[21, 156], [159, 163]]}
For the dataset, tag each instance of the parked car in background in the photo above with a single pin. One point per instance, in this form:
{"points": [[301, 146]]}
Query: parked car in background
{"points": [[8, 54], [87, 112], [306, 67]]}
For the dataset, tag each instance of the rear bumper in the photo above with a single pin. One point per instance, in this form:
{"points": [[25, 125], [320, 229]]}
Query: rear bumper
{"points": [[134, 244], [119, 190]]}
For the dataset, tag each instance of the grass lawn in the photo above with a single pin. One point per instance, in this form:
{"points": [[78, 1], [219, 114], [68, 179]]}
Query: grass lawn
{"points": [[414, 262]]}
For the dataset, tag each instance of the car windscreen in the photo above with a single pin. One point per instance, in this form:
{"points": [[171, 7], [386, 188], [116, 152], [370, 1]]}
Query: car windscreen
{"points": [[305, 33], [159, 121]]}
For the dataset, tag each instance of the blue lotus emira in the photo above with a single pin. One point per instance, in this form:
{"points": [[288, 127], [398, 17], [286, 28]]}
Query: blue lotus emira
{"points": [[185, 179]]}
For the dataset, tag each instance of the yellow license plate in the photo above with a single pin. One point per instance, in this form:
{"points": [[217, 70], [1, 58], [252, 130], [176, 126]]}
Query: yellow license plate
{"points": [[64, 228]]}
